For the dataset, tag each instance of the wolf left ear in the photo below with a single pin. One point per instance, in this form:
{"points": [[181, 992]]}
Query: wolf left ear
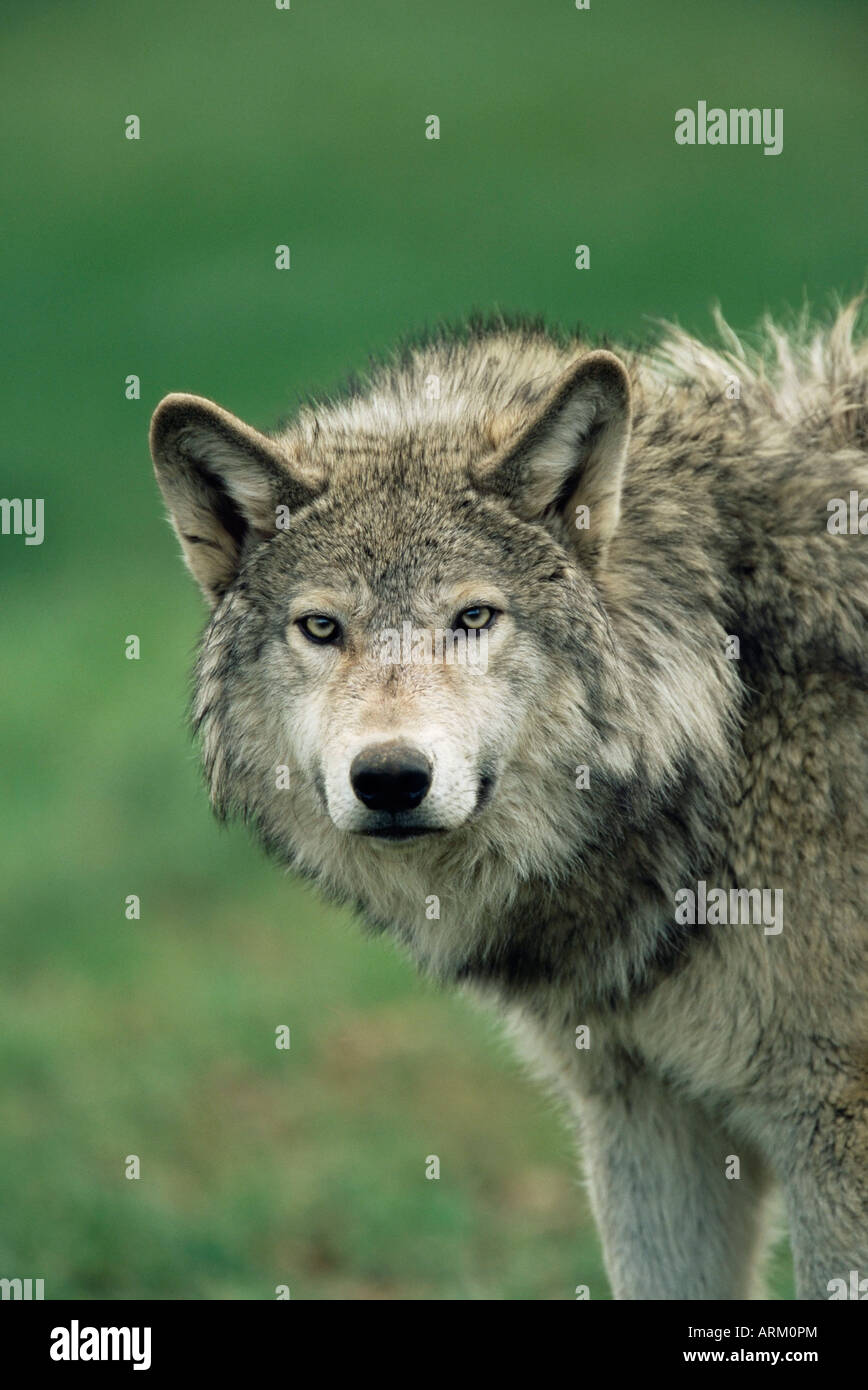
{"points": [[222, 481], [571, 456]]}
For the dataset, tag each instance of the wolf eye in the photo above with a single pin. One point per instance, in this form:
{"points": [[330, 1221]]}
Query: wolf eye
{"points": [[319, 628], [476, 618]]}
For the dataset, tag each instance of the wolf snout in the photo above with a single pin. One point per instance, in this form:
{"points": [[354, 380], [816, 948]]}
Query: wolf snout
{"points": [[390, 777]]}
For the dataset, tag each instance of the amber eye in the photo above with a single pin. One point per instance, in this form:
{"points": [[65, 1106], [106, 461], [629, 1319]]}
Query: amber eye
{"points": [[319, 628], [476, 618]]}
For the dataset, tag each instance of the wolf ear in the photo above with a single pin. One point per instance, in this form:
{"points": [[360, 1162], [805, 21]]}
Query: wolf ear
{"points": [[222, 482], [571, 456]]}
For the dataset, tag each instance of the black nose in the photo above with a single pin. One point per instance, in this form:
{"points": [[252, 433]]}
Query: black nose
{"points": [[390, 777]]}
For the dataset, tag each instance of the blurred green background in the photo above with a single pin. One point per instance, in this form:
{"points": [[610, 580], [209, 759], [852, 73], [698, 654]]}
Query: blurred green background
{"points": [[156, 257]]}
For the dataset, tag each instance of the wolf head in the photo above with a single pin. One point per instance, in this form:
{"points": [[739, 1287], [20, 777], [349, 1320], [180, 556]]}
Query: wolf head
{"points": [[334, 554]]}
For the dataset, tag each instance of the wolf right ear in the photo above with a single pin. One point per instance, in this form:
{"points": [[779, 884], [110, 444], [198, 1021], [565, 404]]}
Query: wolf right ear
{"points": [[568, 463], [223, 482]]}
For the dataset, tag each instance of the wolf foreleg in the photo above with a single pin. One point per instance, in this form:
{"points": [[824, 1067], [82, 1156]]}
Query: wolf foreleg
{"points": [[672, 1223]]}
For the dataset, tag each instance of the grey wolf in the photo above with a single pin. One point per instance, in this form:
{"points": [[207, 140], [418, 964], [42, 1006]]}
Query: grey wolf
{"points": [[674, 695]]}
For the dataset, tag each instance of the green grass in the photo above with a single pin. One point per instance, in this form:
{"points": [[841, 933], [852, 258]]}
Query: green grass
{"points": [[259, 127]]}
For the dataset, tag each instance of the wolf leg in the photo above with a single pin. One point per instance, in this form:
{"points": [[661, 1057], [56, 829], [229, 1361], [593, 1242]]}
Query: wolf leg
{"points": [[826, 1191], [673, 1225]]}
